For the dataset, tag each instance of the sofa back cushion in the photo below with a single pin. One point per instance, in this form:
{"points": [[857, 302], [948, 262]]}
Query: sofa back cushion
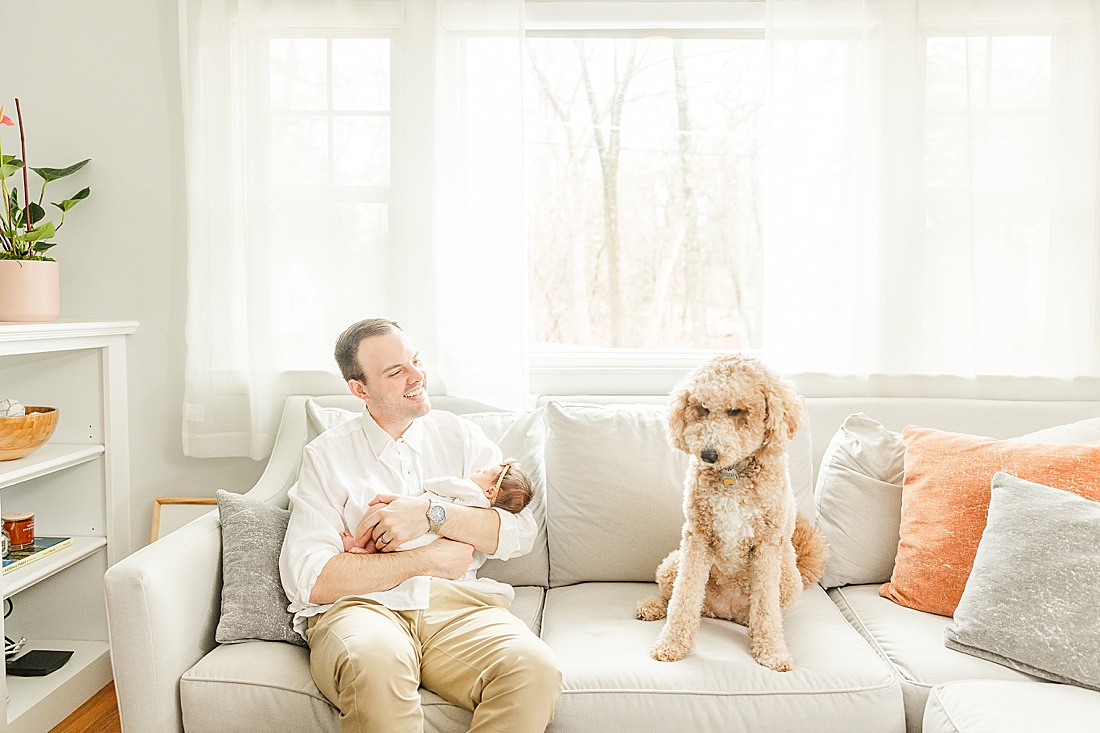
{"points": [[615, 490]]}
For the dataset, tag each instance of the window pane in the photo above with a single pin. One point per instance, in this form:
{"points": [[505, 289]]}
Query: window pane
{"points": [[326, 260], [299, 149], [299, 73], [361, 74], [362, 151], [644, 162]]}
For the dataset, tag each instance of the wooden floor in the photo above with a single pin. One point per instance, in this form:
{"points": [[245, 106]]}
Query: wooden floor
{"points": [[98, 715]]}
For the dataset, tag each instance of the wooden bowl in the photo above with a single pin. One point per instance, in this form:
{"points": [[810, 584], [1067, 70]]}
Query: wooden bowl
{"points": [[21, 436]]}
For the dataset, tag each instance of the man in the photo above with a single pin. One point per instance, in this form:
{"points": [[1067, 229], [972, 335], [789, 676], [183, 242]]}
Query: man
{"points": [[380, 625]]}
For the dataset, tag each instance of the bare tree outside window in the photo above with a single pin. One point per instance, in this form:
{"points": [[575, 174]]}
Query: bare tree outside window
{"points": [[645, 169]]}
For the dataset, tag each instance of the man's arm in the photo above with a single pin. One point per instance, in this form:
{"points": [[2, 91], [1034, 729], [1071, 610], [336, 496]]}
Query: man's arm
{"points": [[354, 574], [403, 518], [312, 562]]}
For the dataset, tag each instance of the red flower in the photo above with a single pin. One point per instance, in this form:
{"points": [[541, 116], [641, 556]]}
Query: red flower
{"points": [[4, 119]]}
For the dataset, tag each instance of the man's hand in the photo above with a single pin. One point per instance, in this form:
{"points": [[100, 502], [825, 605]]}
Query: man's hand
{"points": [[391, 521]]}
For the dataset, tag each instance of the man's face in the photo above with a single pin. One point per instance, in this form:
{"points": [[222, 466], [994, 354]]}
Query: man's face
{"points": [[395, 381]]}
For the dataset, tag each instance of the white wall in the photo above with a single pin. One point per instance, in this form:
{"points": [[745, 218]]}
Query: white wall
{"points": [[99, 79]]}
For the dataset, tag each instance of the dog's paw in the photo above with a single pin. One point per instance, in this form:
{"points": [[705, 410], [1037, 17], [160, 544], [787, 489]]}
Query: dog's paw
{"points": [[779, 661], [652, 609], [666, 650]]}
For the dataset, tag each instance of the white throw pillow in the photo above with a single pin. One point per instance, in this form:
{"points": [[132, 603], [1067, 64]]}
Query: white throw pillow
{"points": [[319, 419], [521, 435], [858, 496]]}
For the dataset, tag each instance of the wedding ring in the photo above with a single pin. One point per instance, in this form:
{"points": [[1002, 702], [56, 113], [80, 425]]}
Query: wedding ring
{"points": [[384, 540]]}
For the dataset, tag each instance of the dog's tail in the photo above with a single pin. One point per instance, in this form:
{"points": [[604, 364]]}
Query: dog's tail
{"points": [[811, 549]]}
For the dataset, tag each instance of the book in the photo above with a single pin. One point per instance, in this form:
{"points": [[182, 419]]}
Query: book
{"points": [[42, 546]]}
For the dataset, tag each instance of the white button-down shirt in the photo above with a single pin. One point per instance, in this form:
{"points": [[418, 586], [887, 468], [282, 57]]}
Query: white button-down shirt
{"points": [[350, 464]]}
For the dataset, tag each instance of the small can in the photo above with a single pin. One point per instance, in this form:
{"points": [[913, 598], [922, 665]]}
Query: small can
{"points": [[19, 526]]}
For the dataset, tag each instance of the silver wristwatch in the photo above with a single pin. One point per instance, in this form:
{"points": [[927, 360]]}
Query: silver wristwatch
{"points": [[437, 514]]}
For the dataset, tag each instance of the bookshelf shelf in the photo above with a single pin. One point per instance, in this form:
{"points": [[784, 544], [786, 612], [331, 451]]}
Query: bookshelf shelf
{"points": [[44, 461], [78, 486], [33, 697], [43, 568]]}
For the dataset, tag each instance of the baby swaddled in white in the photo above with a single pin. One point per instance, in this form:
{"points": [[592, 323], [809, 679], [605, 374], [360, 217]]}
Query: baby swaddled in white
{"points": [[505, 486]]}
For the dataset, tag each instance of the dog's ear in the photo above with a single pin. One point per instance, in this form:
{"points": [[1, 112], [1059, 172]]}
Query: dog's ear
{"points": [[785, 413], [678, 418]]}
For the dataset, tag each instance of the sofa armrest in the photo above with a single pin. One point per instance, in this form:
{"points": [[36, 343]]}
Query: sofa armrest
{"points": [[163, 605]]}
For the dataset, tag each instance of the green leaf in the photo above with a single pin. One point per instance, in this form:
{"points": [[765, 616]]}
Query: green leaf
{"points": [[52, 174], [9, 164], [39, 233], [77, 198], [43, 246], [37, 213]]}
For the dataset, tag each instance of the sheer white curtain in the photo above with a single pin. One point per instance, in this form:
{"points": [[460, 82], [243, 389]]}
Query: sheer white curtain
{"points": [[932, 198], [931, 201], [335, 172]]}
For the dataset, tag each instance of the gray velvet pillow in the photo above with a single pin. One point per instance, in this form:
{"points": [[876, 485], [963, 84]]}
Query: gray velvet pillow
{"points": [[1032, 601], [253, 601]]}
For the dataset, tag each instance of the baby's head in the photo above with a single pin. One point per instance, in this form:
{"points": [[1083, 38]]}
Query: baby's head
{"points": [[506, 485]]}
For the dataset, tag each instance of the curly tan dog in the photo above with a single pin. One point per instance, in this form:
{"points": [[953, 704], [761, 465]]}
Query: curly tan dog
{"points": [[745, 552]]}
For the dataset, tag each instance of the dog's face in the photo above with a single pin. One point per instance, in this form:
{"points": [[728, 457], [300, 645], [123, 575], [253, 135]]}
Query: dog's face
{"points": [[730, 408]]}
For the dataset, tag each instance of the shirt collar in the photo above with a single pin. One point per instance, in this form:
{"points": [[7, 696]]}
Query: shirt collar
{"points": [[379, 440]]}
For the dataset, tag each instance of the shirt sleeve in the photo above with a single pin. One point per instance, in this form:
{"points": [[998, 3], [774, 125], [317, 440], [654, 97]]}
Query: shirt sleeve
{"points": [[517, 534], [312, 535]]}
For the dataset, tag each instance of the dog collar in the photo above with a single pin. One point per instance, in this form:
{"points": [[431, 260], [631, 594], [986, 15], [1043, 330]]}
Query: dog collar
{"points": [[731, 476]]}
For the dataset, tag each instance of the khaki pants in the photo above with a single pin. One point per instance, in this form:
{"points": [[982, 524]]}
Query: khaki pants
{"points": [[466, 647]]}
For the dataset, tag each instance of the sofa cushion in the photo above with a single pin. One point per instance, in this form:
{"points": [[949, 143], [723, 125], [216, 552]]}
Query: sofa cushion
{"points": [[1032, 601], [611, 683], [623, 452], [945, 499], [611, 476], [236, 685], [991, 706], [912, 642], [858, 497], [254, 605]]}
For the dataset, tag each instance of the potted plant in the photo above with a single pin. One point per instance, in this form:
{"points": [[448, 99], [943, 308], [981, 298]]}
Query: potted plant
{"points": [[29, 280]]}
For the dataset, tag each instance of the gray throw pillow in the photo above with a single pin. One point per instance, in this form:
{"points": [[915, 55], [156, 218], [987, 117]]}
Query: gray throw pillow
{"points": [[1032, 601], [254, 605]]}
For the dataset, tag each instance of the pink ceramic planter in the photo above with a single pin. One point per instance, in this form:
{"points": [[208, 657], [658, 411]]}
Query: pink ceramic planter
{"points": [[29, 291]]}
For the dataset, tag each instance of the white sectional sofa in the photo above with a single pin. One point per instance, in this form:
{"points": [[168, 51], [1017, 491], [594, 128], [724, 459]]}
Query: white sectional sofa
{"points": [[609, 511]]}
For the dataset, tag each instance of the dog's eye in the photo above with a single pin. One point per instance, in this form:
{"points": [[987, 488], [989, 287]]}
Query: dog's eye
{"points": [[701, 411], [735, 412]]}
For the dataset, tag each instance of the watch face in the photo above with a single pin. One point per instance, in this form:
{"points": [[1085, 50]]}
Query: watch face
{"points": [[437, 513]]}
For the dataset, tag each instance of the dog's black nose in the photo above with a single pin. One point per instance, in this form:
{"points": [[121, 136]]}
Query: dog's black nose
{"points": [[709, 455]]}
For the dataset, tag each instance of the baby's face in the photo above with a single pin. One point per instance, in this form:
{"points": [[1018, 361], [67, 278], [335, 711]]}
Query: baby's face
{"points": [[486, 479]]}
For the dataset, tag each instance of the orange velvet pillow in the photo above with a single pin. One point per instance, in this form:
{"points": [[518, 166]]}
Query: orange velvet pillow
{"points": [[945, 498]]}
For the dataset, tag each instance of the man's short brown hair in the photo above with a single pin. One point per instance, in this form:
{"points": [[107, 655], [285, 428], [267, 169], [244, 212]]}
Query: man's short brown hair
{"points": [[347, 346]]}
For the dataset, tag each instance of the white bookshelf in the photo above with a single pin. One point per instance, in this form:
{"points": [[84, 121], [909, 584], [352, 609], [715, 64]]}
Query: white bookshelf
{"points": [[77, 485]]}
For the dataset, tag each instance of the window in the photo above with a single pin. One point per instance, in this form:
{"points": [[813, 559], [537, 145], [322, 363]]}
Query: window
{"points": [[325, 108], [645, 165]]}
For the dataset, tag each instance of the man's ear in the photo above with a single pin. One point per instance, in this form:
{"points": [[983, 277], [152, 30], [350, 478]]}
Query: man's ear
{"points": [[359, 390]]}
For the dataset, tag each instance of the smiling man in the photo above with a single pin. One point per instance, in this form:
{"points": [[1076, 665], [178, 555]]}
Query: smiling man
{"points": [[382, 624]]}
